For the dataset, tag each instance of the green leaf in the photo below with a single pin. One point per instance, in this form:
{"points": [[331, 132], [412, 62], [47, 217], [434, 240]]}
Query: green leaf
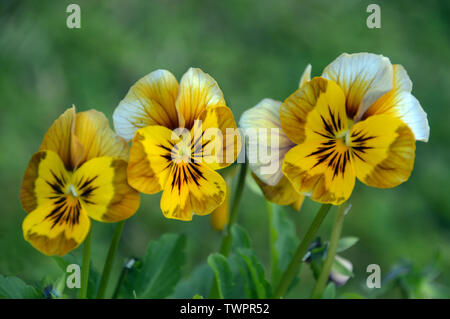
{"points": [[329, 292], [159, 271], [223, 274], [345, 243], [241, 239], [351, 295], [199, 282], [15, 288], [255, 283], [197, 297], [94, 276], [284, 242]]}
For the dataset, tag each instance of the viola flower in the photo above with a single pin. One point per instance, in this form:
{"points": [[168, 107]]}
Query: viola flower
{"points": [[173, 149], [264, 120], [78, 173], [359, 120]]}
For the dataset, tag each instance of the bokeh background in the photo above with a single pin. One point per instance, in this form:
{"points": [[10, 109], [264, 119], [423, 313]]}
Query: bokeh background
{"points": [[254, 49]]}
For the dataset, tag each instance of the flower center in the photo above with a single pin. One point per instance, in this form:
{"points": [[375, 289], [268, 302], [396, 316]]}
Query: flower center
{"points": [[72, 191], [181, 153]]}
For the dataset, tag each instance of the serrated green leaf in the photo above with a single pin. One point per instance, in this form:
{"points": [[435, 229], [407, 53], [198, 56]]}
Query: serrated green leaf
{"points": [[283, 243], [329, 292], [14, 288], [345, 243], [222, 274], [157, 274]]}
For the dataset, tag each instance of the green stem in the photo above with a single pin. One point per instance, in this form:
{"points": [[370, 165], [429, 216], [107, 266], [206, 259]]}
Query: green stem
{"points": [[272, 239], [85, 266], [125, 269], [332, 248], [290, 272], [110, 260], [225, 246]]}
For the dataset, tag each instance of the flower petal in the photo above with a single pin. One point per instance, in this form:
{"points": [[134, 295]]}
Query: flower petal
{"points": [[150, 101], [97, 139], [101, 185], [401, 103], [192, 189], [384, 149], [316, 179], [58, 136], [150, 158], [364, 77], [267, 143], [45, 178], [215, 138], [198, 91], [295, 109], [56, 230], [221, 215], [306, 76], [283, 193]]}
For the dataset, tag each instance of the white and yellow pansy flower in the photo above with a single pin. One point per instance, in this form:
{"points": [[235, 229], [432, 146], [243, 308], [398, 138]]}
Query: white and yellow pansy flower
{"points": [[173, 149], [358, 120], [78, 173], [264, 120]]}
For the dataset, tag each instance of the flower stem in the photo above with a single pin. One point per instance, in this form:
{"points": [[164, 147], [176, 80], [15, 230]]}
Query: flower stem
{"points": [[125, 270], [227, 238], [225, 245], [328, 264], [85, 266], [291, 270], [110, 260]]}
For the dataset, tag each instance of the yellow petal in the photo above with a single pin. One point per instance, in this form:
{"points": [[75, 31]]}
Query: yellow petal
{"points": [[150, 158], [283, 193], [321, 166], [198, 91], [401, 103], [56, 229], [330, 181], [364, 77], [306, 76], [150, 101], [221, 215], [215, 138], [192, 189], [295, 109], [93, 132], [58, 137], [297, 205], [384, 150], [101, 185], [45, 178], [267, 143]]}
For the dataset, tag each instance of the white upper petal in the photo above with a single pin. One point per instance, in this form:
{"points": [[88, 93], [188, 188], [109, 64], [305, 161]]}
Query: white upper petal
{"points": [[364, 77], [265, 137]]}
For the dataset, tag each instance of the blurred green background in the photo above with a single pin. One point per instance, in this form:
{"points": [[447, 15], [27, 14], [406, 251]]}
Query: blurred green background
{"points": [[254, 49]]}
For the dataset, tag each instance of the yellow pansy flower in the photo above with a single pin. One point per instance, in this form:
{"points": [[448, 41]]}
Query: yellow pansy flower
{"points": [[359, 120], [78, 173], [264, 117], [172, 148]]}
